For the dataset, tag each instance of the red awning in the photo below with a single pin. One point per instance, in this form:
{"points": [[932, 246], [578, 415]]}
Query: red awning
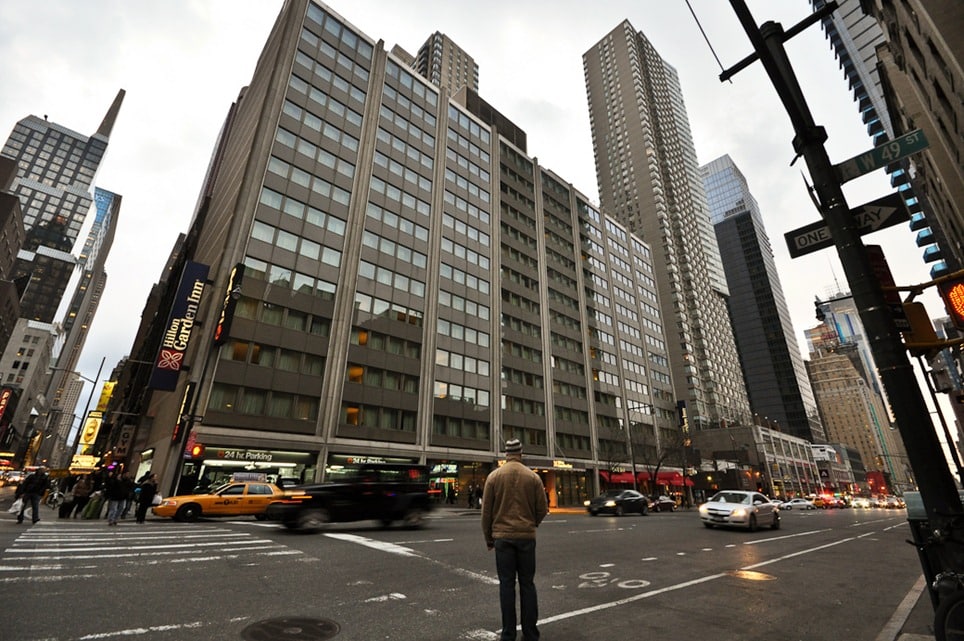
{"points": [[616, 477], [670, 478]]}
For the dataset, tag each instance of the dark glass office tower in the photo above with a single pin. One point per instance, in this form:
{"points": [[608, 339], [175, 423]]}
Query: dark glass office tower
{"points": [[776, 376]]}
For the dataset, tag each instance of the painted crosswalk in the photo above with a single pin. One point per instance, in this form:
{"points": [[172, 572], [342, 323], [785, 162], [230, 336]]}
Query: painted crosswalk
{"points": [[56, 551]]}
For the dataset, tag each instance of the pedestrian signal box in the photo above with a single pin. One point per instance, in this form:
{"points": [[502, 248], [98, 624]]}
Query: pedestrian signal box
{"points": [[952, 291], [197, 450]]}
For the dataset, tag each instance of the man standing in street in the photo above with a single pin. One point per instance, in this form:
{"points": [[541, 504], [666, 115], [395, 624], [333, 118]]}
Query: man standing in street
{"points": [[513, 506], [31, 491]]}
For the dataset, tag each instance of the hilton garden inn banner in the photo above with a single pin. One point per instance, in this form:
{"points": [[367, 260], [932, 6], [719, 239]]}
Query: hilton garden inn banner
{"points": [[179, 328]]}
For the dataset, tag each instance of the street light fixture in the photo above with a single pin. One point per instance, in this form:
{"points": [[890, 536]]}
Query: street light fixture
{"points": [[90, 398]]}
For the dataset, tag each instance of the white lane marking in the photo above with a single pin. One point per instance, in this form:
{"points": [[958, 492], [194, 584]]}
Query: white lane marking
{"points": [[393, 596], [138, 547], [679, 586], [781, 538], [424, 541], [649, 558], [384, 546], [893, 626]]}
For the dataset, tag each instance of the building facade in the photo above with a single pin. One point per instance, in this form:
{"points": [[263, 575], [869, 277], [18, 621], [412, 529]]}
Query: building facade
{"points": [[649, 180], [375, 274], [855, 38], [59, 269], [920, 66], [776, 376]]}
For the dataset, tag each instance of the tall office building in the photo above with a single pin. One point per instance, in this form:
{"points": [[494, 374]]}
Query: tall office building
{"points": [[446, 64], [393, 280], [852, 410], [776, 376], [649, 179], [61, 261], [855, 38]]}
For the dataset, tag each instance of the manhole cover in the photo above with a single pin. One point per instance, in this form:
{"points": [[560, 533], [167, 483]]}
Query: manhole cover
{"points": [[291, 629]]}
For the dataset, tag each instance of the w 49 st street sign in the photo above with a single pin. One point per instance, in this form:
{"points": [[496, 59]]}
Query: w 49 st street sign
{"points": [[870, 217], [882, 155]]}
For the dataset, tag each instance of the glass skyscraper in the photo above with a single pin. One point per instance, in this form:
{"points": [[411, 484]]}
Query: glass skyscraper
{"points": [[776, 376]]}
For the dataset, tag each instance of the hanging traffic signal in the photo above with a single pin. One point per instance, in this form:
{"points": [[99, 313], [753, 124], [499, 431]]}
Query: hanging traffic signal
{"points": [[952, 291], [197, 450]]}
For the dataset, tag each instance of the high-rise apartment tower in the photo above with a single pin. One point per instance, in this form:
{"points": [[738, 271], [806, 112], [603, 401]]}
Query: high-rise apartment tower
{"points": [[649, 179]]}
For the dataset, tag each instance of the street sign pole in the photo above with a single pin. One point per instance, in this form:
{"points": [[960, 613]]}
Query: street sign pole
{"points": [[869, 217], [938, 491]]}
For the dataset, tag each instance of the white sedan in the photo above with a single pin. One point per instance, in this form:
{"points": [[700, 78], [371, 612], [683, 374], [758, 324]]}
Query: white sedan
{"points": [[739, 508], [800, 504]]}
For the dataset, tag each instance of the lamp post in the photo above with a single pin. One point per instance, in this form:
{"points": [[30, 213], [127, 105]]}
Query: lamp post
{"points": [[90, 399]]}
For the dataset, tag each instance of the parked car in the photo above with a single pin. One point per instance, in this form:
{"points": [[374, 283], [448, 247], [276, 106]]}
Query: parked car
{"points": [[739, 508], [799, 504], [384, 493], [662, 504], [618, 502], [230, 499]]}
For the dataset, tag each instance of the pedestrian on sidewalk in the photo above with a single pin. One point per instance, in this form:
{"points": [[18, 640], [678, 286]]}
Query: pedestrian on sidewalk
{"points": [[81, 492], [115, 492], [513, 506], [145, 497]]}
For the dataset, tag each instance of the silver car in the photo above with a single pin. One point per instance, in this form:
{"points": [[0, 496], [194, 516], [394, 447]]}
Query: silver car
{"points": [[739, 508]]}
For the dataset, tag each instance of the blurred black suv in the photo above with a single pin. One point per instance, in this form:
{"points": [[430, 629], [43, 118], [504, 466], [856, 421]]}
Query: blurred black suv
{"points": [[384, 492]]}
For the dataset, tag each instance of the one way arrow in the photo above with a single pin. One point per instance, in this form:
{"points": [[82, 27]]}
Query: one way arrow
{"points": [[870, 217]]}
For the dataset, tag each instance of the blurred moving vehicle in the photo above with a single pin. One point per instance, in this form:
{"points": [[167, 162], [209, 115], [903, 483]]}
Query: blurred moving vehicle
{"points": [[618, 502], [662, 504], [13, 477], [382, 492], [861, 502], [799, 504], [740, 508], [243, 498]]}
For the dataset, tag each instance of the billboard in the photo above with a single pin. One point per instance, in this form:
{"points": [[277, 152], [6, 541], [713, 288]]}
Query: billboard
{"points": [[179, 327]]}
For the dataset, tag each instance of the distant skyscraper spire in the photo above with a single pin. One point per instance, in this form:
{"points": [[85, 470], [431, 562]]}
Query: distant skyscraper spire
{"points": [[107, 124]]}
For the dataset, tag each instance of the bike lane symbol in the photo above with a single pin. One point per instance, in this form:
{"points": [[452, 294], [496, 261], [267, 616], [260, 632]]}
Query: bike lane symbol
{"points": [[602, 579]]}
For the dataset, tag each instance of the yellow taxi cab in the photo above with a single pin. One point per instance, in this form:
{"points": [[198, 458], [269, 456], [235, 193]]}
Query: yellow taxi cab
{"points": [[239, 498]]}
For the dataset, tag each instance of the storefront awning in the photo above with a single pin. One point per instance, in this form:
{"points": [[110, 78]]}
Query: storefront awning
{"points": [[670, 478], [616, 477]]}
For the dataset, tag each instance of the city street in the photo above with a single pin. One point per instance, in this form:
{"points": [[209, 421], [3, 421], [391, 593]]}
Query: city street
{"points": [[825, 574]]}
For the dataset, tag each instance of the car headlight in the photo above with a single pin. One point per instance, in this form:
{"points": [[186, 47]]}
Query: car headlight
{"points": [[585, 503], [610, 503], [739, 512], [704, 509]]}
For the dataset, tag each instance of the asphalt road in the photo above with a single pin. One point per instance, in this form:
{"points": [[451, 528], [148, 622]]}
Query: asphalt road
{"points": [[837, 574]]}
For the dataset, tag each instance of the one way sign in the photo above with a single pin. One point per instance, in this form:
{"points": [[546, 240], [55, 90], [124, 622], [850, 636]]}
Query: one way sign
{"points": [[873, 216]]}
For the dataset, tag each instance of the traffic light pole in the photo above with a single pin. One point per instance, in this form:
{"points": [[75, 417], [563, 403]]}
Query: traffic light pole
{"points": [[938, 491]]}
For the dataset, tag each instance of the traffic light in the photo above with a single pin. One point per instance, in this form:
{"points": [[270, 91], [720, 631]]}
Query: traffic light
{"points": [[197, 450], [952, 291]]}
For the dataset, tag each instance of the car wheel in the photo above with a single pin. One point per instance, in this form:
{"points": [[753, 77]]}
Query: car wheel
{"points": [[259, 517], [619, 510], [643, 511], [949, 616], [189, 512], [314, 519], [414, 518], [752, 524], [776, 521]]}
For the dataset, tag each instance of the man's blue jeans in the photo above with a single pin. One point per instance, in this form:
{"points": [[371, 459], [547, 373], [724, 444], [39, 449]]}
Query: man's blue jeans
{"points": [[516, 558]]}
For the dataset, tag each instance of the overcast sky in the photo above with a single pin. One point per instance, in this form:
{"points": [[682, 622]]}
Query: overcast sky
{"points": [[182, 63]]}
